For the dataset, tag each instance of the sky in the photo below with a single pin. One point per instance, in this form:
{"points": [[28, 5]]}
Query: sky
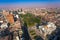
{"points": [[29, 3]]}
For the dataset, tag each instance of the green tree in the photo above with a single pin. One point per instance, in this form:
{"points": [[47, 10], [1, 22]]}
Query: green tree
{"points": [[29, 19]]}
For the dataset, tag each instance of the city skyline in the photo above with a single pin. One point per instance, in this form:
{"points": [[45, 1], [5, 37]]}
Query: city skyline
{"points": [[29, 3]]}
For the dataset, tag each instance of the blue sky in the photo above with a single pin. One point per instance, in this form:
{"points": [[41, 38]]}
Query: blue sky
{"points": [[29, 3]]}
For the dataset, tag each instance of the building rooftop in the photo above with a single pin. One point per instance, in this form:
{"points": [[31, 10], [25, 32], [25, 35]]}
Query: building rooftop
{"points": [[10, 18]]}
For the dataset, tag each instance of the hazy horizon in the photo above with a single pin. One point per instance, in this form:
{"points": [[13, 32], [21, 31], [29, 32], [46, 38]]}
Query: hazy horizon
{"points": [[29, 3]]}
